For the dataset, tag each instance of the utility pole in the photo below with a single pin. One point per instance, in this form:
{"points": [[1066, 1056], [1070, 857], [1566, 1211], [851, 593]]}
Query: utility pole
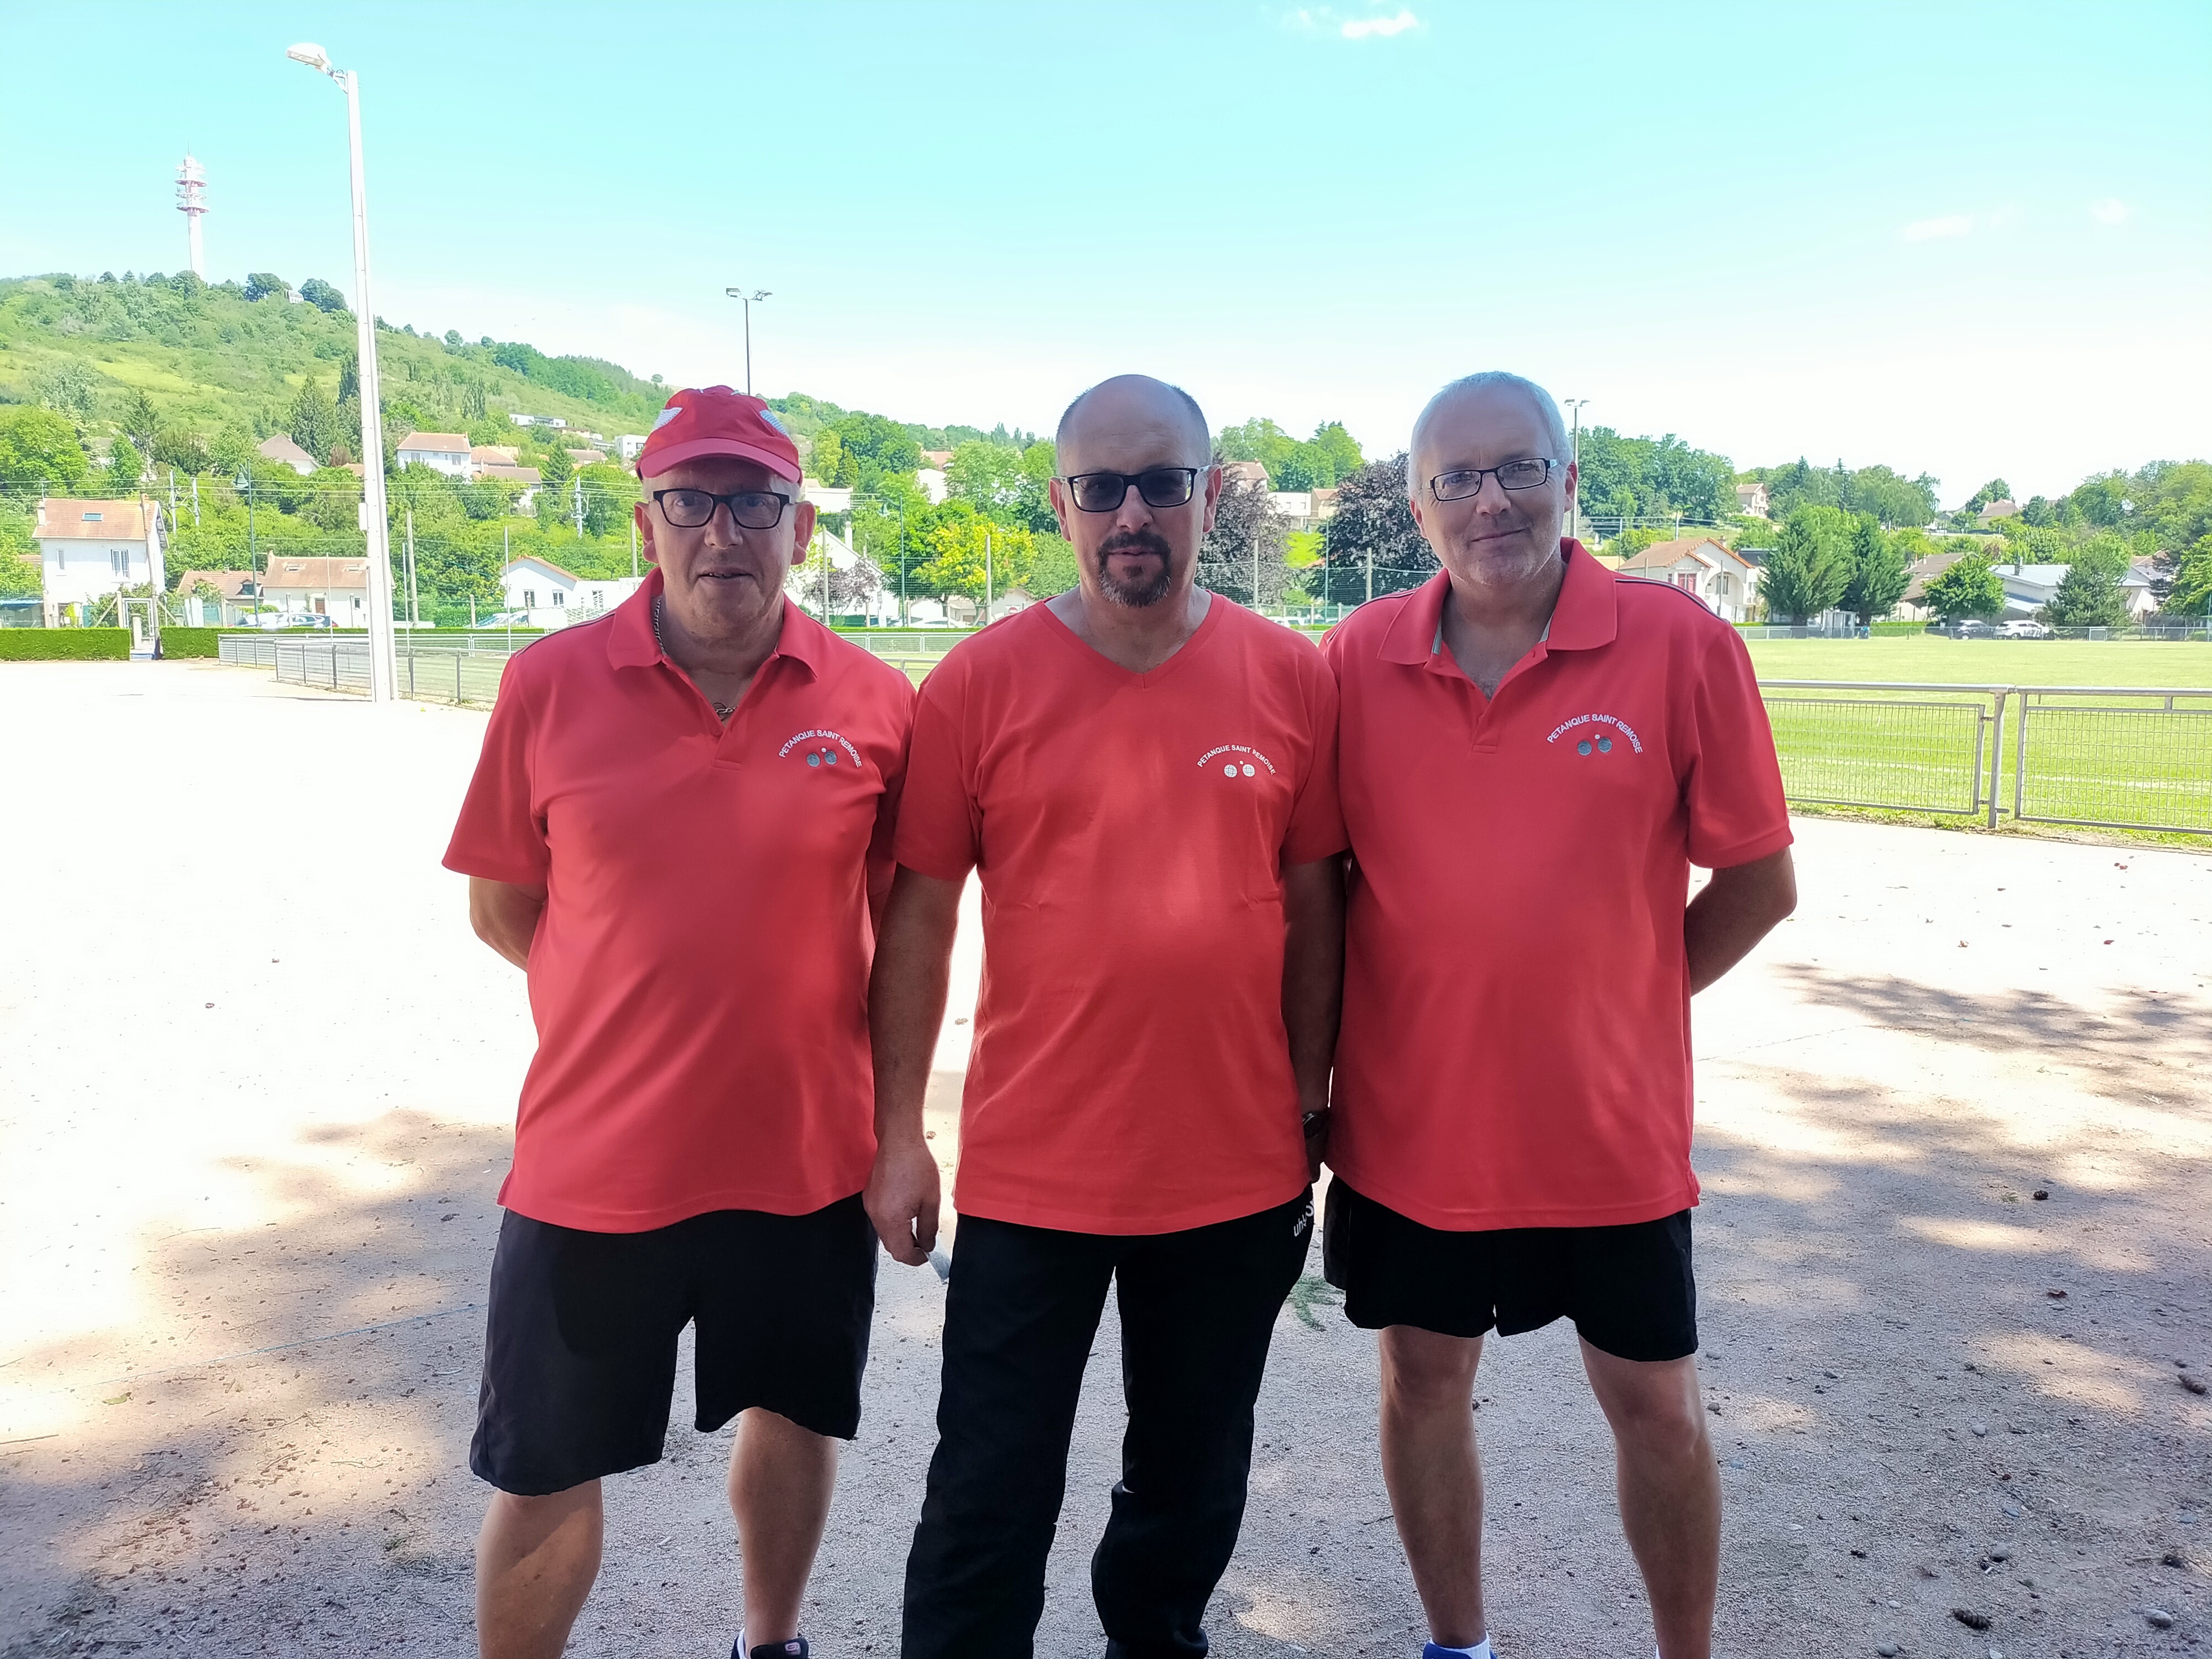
{"points": [[1574, 511], [196, 501], [987, 579], [748, 300], [577, 480], [245, 488], [414, 607]]}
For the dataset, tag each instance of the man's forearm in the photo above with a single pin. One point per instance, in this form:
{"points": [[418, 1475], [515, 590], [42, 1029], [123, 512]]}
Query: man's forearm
{"points": [[905, 996], [1739, 906], [1313, 974], [506, 916]]}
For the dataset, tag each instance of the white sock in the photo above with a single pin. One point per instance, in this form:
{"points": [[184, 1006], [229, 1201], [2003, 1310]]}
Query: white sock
{"points": [[1480, 1650]]}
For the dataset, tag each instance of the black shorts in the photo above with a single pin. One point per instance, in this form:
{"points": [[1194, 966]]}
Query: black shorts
{"points": [[1629, 1290], [580, 1351]]}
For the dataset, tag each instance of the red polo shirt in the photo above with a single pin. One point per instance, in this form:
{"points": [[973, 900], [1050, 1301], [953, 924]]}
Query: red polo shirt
{"points": [[1516, 1047], [699, 978], [1130, 1072]]}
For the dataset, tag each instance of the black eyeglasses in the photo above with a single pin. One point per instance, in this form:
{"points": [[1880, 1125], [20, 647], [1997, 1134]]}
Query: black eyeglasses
{"points": [[750, 510], [1458, 484], [1160, 486]]}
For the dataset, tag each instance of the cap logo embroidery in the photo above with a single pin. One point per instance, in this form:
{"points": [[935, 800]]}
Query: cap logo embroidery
{"points": [[1601, 742], [667, 415], [768, 414], [1235, 759]]}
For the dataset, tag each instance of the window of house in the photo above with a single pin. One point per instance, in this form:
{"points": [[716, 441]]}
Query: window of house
{"points": [[92, 518], [560, 599], [530, 598]]}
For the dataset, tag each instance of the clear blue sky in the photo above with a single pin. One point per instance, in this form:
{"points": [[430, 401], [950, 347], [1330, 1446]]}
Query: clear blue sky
{"points": [[1974, 240]]}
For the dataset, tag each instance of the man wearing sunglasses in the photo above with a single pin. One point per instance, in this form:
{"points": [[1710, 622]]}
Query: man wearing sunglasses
{"points": [[680, 828], [1143, 774], [1534, 753]]}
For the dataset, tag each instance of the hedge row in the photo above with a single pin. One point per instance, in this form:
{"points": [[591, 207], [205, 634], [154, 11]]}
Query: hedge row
{"points": [[191, 641], [65, 645]]}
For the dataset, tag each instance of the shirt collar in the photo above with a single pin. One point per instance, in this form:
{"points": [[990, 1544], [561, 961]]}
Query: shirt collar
{"points": [[631, 644], [1586, 616]]}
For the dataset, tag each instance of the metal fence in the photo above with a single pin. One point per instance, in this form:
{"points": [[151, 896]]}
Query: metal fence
{"points": [[1904, 747], [2109, 756]]}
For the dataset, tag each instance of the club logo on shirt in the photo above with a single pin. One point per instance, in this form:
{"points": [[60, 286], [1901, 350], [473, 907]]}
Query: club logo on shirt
{"points": [[1236, 760], [821, 747], [1598, 742]]}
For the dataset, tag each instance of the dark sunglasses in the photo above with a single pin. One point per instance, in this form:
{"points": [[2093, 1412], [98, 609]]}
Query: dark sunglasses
{"points": [[1160, 486]]}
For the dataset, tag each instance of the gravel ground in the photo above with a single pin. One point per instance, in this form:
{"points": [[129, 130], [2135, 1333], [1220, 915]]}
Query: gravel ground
{"points": [[255, 1076]]}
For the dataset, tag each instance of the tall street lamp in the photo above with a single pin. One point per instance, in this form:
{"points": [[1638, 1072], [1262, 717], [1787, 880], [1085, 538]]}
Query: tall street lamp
{"points": [[1576, 403], [747, 302], [383, 675]]}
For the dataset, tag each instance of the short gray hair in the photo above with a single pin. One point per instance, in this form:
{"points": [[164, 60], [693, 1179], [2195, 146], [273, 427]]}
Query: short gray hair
{"points": [[1555, 427]]}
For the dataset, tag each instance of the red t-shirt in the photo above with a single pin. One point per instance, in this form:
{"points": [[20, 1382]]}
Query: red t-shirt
{"points": [[699, 977], [1130, 1073], [1516, 1047]]}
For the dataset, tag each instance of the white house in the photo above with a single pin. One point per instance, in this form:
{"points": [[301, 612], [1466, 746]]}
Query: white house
{"points": [[215, 599], [337, 588], [1750, 499], [630, 443], [553, 421], [1701, 566], [930, 481], [827, 498], [550, 597], [88, 550], [279, 446], [441, 451]]}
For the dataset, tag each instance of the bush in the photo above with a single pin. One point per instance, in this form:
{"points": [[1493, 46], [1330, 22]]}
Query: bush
{"points": [[65, 645], [191, 641]]}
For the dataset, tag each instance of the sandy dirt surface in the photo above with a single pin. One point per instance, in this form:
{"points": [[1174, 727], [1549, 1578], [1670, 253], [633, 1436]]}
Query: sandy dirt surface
{"points": [[255, 1084]]}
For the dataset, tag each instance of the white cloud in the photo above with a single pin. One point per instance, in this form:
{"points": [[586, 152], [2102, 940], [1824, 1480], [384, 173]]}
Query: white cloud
{"points": [[1359, 28], [1936, 230], [2110, 211]]}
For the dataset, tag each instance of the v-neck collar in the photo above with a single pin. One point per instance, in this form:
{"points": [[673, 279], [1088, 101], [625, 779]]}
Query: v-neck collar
{"points": [[1198, 636]]}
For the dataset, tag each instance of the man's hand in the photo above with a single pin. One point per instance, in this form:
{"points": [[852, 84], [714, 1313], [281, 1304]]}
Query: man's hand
{"points": [[506, 916], [903, 1197], [1739, 906]]}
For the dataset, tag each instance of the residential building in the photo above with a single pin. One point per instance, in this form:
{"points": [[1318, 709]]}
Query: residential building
{"points": [[1998, 509], [441, 451], [337, 588], [580, 459], [528, 477], [279, 446], [547, 596], [937, 459], [553, 421], [1750, 499], [216, 598], [1913, 607], [2135, 587], [90, 549], [630, 443], [1722, 577], [930, 482], [483, 455], [827, 498], [1251, 474]]}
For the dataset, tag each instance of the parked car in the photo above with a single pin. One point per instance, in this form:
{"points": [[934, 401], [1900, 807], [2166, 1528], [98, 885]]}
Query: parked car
{"points": [[304, 619], [1971, 629], [2023, 629]]}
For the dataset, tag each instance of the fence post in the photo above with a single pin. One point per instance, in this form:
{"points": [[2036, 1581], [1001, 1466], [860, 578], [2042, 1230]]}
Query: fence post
{"points": [[457, 679], [2020, 762], [1996, 752]]}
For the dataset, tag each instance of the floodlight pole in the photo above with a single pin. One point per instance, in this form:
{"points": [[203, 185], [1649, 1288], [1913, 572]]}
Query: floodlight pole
{"points": [[1575, 513], [746, 301], [383, 668]]}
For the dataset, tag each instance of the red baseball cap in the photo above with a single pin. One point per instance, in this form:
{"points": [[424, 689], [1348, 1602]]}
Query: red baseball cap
{"points": [[716, 421]]}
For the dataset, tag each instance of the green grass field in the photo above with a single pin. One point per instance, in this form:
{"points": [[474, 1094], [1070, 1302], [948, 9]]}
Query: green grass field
{"points": [[1930, 657]]}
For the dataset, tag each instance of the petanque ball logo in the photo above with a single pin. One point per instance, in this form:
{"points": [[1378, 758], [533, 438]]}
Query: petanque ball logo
{"points": [[821, 748], [1236, 760], [1599, 733]]}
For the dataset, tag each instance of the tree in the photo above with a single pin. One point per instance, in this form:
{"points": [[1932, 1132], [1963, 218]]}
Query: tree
{"points": [[314, 420], [39, 449], [321, 295], [2089, 597], [869, 448], [126, 466], [1807, 572], [67, 388], [954, 549], [1996, 490], [262, 284], [1245, 517], [181, 447], [141, 420], [1878, 576], [2184, 581], [1968, 588], [1052, 567], [1373, 531]]}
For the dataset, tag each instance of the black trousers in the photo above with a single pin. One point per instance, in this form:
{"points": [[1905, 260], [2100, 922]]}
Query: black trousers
{"points": [[1197, 1311]]}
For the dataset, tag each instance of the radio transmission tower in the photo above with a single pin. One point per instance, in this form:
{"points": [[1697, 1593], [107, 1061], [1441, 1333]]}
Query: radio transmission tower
{"points": [[192, 201]]}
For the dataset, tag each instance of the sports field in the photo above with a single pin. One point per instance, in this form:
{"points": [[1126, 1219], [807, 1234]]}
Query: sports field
{"points": [[1988, 662]]}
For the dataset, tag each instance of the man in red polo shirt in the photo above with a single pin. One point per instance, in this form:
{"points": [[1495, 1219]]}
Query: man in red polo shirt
{"points": [[1533, 756], [680, 828], [1143, 774]]}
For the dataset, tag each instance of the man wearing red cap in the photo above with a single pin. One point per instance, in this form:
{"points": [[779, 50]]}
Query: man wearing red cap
{"points": [[680, 827]]}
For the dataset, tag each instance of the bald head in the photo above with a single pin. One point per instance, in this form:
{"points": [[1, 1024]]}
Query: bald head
{"points": [[1466, 396], [1129, 415]]}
